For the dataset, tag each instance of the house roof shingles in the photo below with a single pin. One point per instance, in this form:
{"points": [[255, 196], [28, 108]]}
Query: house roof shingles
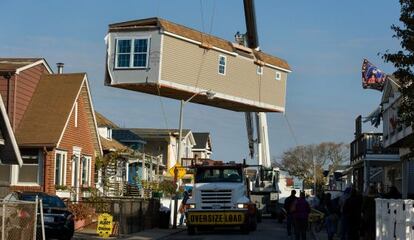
{"points": [[12, 64], [152, 133], [111, 145], [193, 35], [46, 115], [102, 121]]}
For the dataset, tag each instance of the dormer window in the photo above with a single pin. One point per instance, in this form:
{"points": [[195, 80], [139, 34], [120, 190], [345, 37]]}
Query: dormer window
{"points": [[131, 53]]}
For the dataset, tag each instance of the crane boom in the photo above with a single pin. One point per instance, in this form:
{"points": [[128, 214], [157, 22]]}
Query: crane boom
{"points": [[251, 40], [251, 27]]}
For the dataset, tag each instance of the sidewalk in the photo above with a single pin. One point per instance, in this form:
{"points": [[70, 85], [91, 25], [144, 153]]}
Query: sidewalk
{"points": [[155, 233]]}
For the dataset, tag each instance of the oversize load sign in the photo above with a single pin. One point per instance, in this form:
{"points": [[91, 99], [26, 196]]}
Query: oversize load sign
{"points": [[104, 228], [219, 218]]}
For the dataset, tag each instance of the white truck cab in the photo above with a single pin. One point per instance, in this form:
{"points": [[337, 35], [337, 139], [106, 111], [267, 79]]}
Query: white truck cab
{"points": [[220, 197]]}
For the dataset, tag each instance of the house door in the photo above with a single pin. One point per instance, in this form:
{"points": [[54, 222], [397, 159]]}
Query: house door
{"points": [[132, 174]]}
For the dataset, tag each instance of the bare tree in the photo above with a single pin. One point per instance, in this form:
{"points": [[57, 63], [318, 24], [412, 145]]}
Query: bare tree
{"points": [[309, 161]]}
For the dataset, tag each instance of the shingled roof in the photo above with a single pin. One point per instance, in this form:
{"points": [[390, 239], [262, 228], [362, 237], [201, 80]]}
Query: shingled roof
{"points": [[13, 64], [102, 121], [45, 119], [192, 34]]}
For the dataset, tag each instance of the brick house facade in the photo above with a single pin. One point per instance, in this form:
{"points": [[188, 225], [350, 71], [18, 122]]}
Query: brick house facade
{"points": [[55, 130]]}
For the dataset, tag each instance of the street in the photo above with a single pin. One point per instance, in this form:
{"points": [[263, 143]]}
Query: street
{"points": [[268, 229]]}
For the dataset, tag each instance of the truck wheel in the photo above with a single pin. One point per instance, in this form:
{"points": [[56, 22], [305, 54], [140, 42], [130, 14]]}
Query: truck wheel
{"points": [[253, 224], [245, 229], [259, 217], [191, 230]]}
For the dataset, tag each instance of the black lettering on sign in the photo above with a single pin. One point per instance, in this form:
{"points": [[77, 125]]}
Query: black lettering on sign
{"points": [[239, 218]]}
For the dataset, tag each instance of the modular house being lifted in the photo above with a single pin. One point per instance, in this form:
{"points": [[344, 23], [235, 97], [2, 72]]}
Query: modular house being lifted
{"points": [[159, 57]]}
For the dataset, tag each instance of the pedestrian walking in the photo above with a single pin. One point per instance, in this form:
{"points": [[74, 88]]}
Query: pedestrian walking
{"points": [[343, 222], [352, 214], [368, 214], [288, 207], [331, 216], [183, 206], [300, 211]]}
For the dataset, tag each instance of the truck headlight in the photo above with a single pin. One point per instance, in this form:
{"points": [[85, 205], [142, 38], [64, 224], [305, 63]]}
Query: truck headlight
{"points": [[241, 205], [191, 205]]}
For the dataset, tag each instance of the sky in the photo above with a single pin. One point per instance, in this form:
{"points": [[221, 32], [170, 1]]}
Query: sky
{"points": [[323, 41]]}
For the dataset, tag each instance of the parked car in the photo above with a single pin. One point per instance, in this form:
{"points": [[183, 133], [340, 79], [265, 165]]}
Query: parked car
{"points": [[58, 220]]}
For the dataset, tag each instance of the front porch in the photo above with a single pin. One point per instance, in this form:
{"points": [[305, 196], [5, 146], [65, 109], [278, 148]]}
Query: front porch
{"points": [[370, 160]]}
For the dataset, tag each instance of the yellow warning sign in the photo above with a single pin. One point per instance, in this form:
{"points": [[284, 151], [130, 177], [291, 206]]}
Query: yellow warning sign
{"points": [[180, 171], [104, 228]]}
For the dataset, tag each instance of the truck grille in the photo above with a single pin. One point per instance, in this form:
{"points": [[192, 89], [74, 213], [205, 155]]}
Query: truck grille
{"points": [[215, 196]]}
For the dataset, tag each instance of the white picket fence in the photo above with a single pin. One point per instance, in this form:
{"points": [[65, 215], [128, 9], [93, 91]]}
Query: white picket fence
{"points": [[394, 219]]}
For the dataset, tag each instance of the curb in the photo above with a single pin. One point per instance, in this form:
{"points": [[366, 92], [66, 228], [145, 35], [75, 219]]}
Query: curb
{"points": [[172, 234]]}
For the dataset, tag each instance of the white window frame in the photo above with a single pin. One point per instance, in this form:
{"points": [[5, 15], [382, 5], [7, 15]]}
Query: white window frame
{"points": [[39, 165], [224, 65], [88, 170], [63, 164], [278, 75], [259, 70], [131, 53]]}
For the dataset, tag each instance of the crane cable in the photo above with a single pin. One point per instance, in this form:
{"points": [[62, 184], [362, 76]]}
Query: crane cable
{"points": [[162, 107], [291, 130]]}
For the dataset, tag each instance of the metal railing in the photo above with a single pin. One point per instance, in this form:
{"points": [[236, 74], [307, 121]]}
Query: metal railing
{"points": [[369, 143]]}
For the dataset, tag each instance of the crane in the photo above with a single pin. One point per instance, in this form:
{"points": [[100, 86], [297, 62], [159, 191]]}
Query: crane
{"points": [[265, 183]]}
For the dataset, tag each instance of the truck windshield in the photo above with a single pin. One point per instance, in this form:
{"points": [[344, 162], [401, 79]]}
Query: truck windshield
{"points": [[206, 175]]}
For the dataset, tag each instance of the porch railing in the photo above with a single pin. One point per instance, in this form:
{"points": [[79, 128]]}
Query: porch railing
{"points": [[369, 143]]}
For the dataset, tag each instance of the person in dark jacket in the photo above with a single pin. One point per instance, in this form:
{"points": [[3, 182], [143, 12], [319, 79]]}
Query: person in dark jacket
{"points": [[301, 212], [352, 214], [368, 214], [287, 206]]}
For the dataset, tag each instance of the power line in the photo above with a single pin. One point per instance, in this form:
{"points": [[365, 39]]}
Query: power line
{"points": [[291, 130]]}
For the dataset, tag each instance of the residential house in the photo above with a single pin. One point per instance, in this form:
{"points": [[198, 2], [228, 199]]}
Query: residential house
{"points": [[203, 148], [160, 57], [9, 151], [397, 135], [160, 142], [132, 165], [55, 127], [369, 158]]}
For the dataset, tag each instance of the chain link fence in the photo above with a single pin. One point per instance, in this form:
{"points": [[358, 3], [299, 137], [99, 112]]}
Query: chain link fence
{"points": [[18, 220]]}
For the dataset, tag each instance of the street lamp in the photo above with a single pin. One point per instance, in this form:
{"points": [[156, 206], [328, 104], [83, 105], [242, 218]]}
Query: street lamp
{"points": [[210, 95]]}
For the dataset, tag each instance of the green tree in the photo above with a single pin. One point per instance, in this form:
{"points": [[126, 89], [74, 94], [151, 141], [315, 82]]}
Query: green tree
{"points": [[403, 60]]}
